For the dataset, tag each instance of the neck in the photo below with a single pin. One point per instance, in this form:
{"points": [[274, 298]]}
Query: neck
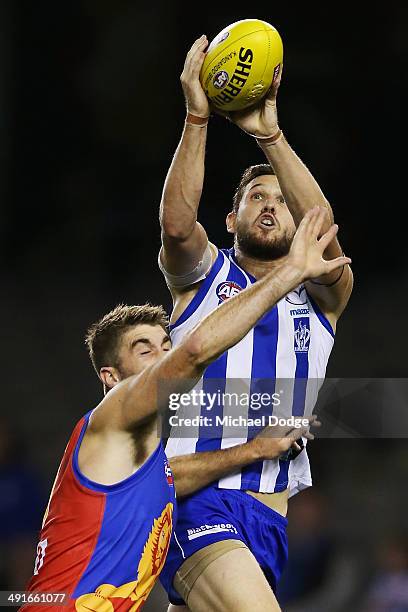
{"points": [[257, 267]]}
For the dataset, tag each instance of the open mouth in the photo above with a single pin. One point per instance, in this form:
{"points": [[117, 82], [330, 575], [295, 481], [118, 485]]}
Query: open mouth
{"points": [[266, 221]]}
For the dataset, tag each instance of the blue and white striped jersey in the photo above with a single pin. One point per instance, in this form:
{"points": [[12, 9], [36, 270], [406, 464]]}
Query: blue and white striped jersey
{"points": [[289, 347]]}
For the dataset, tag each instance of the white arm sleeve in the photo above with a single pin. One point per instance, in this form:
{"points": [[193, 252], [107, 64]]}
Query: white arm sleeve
{"points": [[199, 273]]}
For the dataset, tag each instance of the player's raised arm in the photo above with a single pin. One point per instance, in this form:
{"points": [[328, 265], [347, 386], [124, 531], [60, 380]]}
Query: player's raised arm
{"points": [[186, 256], [301, 192], [137, 397]]}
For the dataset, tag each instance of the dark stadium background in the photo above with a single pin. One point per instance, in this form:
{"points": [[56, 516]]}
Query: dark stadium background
{"points": [[91, 111]]}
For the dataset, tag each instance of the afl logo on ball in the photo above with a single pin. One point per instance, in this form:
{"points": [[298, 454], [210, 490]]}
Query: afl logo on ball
{"points": [[221, 79], [227, 290]]}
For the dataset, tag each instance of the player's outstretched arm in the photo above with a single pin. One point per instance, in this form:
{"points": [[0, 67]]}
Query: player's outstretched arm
{"points": [[184, 239], [300, 190], [138, 397]]}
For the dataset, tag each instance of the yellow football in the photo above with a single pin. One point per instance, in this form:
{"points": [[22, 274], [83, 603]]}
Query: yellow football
{"points": [[241, 64]]}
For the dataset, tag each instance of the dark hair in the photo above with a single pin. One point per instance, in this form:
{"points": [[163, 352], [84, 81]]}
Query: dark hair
{"points": [[247, 176], [103, 337]]}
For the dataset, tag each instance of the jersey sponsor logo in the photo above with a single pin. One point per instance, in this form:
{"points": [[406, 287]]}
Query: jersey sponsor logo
{"points": [[39, 560], [302, 335], [296, 312], [203, 530], [298, 297], [227, 290], [169, 473]]}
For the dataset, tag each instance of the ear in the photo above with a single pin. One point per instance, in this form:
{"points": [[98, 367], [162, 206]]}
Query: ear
{"points": [[109, 377], [231, 221]]}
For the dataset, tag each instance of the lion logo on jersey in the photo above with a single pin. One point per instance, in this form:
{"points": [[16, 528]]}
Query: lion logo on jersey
{"points": [[132, 596]]}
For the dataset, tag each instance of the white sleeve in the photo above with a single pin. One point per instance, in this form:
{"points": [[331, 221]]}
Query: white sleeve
{"points": [[199, 273]]}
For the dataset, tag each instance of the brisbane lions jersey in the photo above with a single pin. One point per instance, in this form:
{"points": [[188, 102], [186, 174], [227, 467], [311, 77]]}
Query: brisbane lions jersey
{"points": [[104, 545]]}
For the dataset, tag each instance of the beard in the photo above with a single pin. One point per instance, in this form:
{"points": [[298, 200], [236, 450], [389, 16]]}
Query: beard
{"points": [[264, 249]]}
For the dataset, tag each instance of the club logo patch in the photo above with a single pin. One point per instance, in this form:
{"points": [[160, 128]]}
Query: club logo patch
{"points": [[302, 335], [227, 290]]}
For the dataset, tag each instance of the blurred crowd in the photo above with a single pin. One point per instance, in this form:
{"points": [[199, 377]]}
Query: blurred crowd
{"points": [[22, 504]]}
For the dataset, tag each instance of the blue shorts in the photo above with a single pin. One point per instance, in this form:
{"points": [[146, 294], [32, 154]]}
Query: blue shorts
{"points": [[213, 514]]}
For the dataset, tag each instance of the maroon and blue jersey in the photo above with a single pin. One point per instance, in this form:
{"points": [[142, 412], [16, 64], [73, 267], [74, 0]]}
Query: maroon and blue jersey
{"points": [[104, 545]]}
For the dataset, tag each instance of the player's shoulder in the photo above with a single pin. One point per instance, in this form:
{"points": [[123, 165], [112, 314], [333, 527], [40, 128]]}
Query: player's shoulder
{"points": [[183, 298], [214, 251]]}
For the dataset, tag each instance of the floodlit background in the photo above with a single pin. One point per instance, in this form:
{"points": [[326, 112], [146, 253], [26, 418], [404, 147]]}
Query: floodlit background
{"points": [[91, 111]]}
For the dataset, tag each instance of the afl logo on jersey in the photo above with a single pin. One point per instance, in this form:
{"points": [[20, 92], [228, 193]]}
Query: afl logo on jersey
{"points": [[227, 290]]}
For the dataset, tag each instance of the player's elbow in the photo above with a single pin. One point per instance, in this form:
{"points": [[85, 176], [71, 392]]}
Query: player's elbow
{"points": [[175, 224], [175, 231], [195, 349]]}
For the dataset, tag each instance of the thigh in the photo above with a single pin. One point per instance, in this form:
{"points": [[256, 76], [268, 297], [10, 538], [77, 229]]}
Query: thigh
{"points": [[203, 522], [233, 583], [173, 608]]}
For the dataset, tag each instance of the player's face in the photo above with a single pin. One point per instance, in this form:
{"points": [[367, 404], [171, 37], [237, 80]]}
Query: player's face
{"points": [[141, 346], [263, 225]]}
